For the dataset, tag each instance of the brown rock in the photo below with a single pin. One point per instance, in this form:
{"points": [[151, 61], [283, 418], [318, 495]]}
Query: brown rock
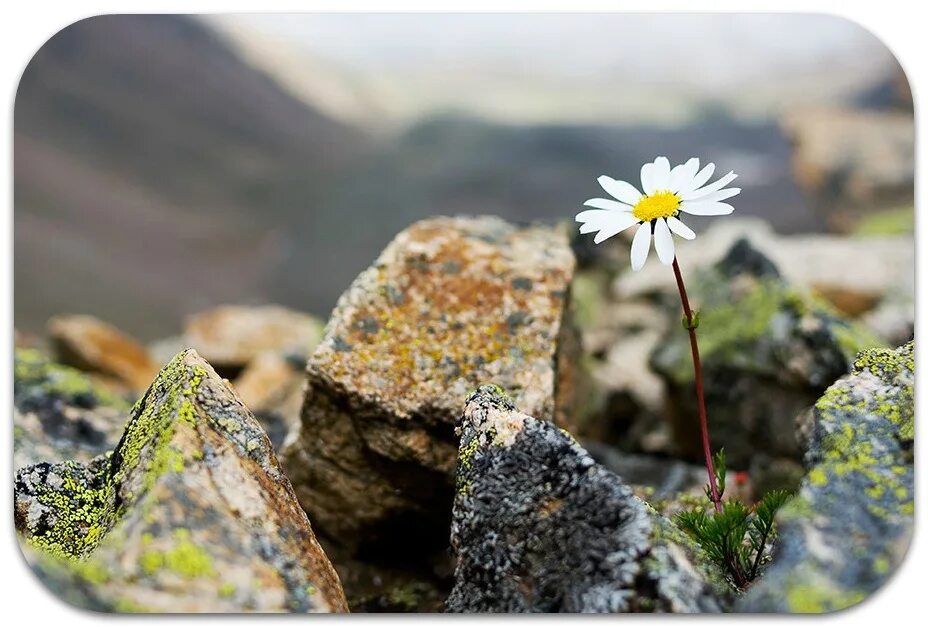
{"points": [[189, 513], [853, 159], [90, 344], [232, 335], [272, 387], [450, 303]]}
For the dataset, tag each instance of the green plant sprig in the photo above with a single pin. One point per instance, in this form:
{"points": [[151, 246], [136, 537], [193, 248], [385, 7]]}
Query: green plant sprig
{"points": [[735, 537]]}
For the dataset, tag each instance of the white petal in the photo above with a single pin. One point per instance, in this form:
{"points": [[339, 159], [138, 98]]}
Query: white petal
{"points": [[648, 178], [618, 222], [620, 190], [641, 245], [699, 179], [661, 173], [712, 187], [663, 242], [722, 194], [608, 223], [605, 203], [680, 229], [707, 208], [682, 175]]}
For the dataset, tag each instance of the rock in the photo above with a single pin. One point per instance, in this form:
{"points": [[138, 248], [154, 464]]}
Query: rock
{"points": [[189, 513], [849, 527], [271, 386], [768, 349], [884, 267], [90, 344], [60, 413], [232, 335], [538, 526], [853, 159], [651, 477], [449, 303]]}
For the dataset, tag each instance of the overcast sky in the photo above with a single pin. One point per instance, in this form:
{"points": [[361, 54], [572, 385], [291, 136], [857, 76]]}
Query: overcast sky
{"points": [[700, 53]]}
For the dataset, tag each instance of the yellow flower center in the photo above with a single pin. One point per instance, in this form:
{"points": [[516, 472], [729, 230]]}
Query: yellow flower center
{"points": [[660, 204]]}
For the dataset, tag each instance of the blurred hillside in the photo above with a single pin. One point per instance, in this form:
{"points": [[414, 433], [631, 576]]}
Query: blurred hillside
{"points": [[162, 167], [155, 172]]}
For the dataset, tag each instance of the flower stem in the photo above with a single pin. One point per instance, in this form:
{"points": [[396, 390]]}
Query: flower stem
{"points": [[700, 397]]}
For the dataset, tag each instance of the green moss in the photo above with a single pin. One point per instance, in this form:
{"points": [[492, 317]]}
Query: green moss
{"points": [[850, 449], [151, 562], [184, 558], [587, 290], [898, 221], [818, 477], [728, 325], [128, 606], [79, 508], [805, 598], [32, 370], [227, 589], [83, 504], [734, 320]]}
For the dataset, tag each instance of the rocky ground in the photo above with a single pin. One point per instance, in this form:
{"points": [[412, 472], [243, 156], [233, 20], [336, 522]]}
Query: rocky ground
{"points": [[494, 419]]}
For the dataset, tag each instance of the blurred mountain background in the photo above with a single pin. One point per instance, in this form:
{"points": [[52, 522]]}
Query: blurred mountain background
{"points": [[165, 164]]}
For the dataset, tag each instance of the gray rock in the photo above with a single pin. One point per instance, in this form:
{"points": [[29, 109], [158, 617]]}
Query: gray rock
{"points": [[60, 413], [850, 525], [538, 526], [768, 350], [189, 513], [449, 303]]}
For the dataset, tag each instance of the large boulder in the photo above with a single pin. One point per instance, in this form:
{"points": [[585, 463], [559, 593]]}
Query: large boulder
{"points": [[538, 526], [232, 335], [850, 525], [449, 303], [189, 513], [768, 349], [95, 346], [60, 413]]}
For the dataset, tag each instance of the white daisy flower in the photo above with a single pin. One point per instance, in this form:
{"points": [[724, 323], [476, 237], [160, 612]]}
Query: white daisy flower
{"points": [[667, 192]]}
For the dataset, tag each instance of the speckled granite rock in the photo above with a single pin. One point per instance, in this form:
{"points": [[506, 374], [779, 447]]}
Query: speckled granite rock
{"points": [[449, 303], [850, 525], [60, 413], [768, 350], [189, 513], [539, 527], [232, 335], [89, 344]]}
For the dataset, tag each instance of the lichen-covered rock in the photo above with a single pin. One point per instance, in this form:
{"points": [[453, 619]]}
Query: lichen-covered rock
{"points": [[271, 386], [883, 277], [449, 303], [92, 345], [232, 335], [849, 526], [60, 413], [189, 513], [538, 526], [768, 350]]}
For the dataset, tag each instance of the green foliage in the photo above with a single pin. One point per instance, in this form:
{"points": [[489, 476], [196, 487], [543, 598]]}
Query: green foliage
{"points": [[737, 537], [718, 461]]}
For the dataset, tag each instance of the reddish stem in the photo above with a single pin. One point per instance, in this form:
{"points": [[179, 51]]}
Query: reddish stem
{"points": [[700, 397]]}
